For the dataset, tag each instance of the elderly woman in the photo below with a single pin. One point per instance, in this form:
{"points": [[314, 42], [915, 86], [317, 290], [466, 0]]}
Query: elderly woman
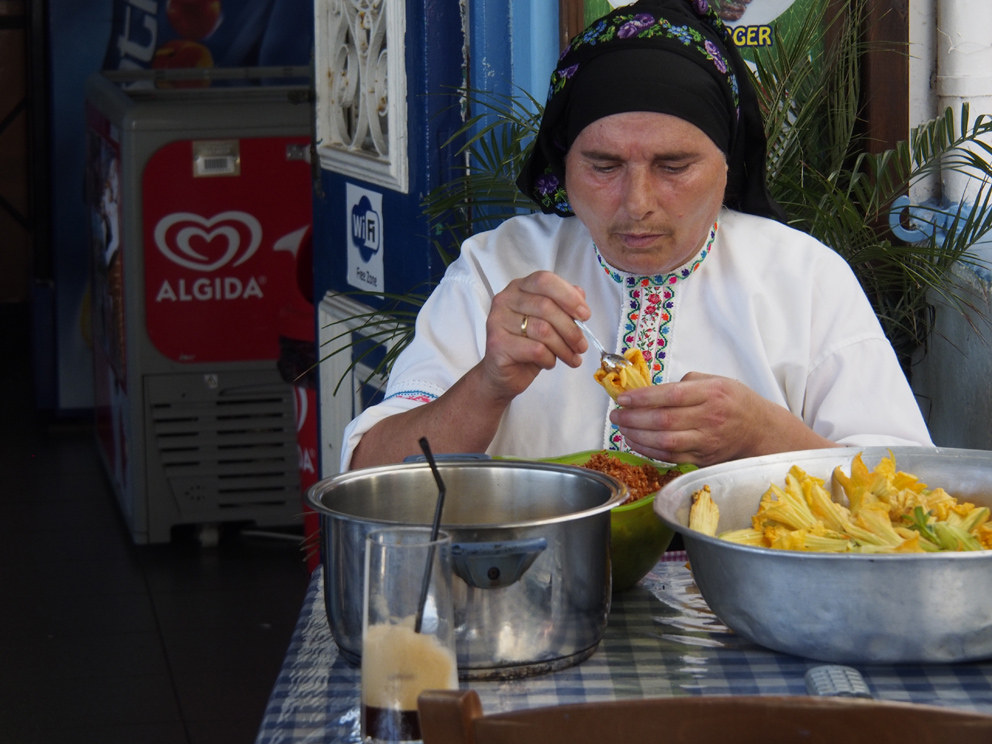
{"points": [[658, 230]]}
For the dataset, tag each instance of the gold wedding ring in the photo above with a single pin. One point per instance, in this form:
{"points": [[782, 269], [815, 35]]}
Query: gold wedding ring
{"points": [[523, 326]]}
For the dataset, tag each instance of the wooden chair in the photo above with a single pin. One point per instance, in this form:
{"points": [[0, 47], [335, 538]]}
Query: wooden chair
{"points": [[456, 717]]}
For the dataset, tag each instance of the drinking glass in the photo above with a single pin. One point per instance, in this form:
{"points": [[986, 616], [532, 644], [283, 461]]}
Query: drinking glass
{"points": [[408, 635]]}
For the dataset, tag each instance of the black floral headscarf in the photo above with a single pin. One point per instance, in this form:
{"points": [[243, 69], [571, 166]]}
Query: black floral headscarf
{"points": [[644, 49]]}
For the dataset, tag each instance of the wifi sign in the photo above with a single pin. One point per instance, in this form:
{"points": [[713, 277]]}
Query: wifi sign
{"points": [[365, 228], [363, 212]]}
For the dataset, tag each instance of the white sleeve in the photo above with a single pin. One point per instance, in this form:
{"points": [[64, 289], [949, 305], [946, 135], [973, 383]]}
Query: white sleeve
{"points": [[450, 331], [449, 339], [861, 398], [786, 315], [856, 391]]}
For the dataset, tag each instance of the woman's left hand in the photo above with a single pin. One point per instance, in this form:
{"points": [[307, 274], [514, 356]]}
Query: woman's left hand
{"points": [[706, 419]]}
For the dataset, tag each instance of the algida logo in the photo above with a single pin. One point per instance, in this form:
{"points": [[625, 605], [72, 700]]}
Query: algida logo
{"points": [[207, 245]]}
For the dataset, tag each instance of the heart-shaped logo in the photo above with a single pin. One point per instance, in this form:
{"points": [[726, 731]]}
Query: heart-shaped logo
{"points": [[207, 244]]}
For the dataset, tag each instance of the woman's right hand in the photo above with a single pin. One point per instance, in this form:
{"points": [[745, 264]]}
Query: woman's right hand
{"points": [[467, 416], [529, 328]]}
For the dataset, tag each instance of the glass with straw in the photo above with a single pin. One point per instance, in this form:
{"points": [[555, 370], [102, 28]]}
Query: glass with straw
{"points": [[408, 634]]}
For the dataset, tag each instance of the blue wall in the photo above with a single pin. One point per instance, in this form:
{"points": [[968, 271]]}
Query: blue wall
{"points": [[524, 60]]}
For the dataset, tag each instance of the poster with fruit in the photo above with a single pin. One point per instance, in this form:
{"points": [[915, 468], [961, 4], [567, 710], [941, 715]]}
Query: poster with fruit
{"points": [[174, 34], [750, 21]]}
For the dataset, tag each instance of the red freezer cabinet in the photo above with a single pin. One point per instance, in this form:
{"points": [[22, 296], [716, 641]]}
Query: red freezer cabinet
{"points": [[200, 199]]}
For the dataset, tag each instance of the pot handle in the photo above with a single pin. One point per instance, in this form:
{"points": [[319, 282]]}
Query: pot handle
{"points": [[489, 565]]}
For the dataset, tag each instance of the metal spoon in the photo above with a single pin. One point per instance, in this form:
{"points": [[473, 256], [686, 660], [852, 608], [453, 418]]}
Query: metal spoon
{"points": [[611, 362]]}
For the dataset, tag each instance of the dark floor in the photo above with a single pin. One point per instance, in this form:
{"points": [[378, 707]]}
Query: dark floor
{"points": [[105, 642]]}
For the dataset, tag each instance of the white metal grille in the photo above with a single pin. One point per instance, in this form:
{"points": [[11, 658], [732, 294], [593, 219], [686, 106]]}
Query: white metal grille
{"points": [[360, 83]]}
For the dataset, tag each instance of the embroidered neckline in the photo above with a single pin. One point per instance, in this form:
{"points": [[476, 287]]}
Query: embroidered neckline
{"points": [[648, 317], [683, 272]]}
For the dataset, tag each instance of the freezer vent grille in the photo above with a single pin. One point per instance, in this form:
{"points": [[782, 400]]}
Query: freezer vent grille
{"points": [[229, 453]]}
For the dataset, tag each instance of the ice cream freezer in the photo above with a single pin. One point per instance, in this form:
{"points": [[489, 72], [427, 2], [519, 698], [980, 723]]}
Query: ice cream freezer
{"points": [[199, 194]]}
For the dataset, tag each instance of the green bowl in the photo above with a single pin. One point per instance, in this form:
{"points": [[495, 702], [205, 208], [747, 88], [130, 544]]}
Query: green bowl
{"points": [[638, 537]]}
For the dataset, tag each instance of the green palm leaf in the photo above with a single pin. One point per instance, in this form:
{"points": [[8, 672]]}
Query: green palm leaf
{"points": [[819, 169], [494, 145]]}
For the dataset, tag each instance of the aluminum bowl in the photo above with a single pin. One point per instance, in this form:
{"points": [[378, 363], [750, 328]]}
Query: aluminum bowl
{"points": [[847, 608]]}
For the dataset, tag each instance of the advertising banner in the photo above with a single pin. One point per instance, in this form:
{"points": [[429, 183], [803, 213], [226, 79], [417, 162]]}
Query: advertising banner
{"points": [[111, 400], [220, 251], [163, 34], [749, 20], [307, 446]]}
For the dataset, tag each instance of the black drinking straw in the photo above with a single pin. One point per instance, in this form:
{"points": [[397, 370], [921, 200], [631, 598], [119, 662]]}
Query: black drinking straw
{"points": [[435, 528]]}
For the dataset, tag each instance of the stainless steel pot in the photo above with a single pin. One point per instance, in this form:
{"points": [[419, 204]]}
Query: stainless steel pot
{"points": [[531, 555], [849, 608]]}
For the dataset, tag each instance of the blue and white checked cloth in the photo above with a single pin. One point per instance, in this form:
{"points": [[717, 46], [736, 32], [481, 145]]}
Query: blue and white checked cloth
{"points": [[661, 640]]}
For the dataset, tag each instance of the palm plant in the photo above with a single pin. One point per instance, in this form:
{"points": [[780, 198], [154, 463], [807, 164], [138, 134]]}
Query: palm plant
{"points": [[374, 337], [494, 144], [830, 186], [818, 166]]}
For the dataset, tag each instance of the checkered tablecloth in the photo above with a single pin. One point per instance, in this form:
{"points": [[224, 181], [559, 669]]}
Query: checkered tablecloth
{"points": [[661, 640]]}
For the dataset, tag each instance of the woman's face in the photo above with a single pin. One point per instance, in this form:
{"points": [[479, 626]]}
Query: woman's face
{"points": [[648, 187]]}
